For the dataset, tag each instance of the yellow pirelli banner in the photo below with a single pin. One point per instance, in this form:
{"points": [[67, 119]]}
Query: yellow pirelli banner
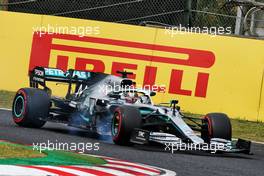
{"points": [[205, 73]]}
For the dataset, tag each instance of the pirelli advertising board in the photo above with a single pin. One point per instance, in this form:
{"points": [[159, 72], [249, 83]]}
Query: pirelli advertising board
{"points": [[205, 73]]}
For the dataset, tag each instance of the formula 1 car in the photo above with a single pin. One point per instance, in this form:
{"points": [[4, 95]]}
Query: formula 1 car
{"points": [[98, 100]]}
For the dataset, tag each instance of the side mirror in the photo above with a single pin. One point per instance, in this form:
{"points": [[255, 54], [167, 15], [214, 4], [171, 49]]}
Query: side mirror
{"points": [[102, 102], [174, 102], [152, 94]]}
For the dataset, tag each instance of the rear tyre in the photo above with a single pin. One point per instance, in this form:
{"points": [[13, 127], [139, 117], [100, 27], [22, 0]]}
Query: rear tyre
{"points": [[30, 107], [125, 120], [216, 125]]}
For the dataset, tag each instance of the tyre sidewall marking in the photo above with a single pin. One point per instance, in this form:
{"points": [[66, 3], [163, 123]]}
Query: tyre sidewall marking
{"points": [[22, 116], [117, 136], [210, 128]]}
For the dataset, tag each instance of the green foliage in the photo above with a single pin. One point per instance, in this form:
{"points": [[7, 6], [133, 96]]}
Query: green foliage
{"points": [[202, 19]]}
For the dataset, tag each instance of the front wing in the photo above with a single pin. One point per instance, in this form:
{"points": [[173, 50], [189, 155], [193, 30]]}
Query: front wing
{"points": [[173, 143]]}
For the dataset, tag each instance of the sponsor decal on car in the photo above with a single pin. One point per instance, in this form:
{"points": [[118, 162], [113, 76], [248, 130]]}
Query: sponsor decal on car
{"points": [[53, 72]]}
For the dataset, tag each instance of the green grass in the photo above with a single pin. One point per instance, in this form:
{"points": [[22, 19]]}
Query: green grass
{"points": [[15, 151], [6, 98], [248, 130], [16, 154], [241, 128]]}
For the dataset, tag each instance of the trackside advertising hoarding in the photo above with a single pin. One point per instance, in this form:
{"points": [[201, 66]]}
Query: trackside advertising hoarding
{"points": [[205, 73]]}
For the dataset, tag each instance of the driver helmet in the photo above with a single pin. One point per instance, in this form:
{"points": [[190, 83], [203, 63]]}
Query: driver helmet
{"points": [[131, 97]]}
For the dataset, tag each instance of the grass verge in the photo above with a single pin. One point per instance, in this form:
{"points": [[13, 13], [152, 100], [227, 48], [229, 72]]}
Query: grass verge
{"points": [[16, 154], [8, 150], [241, 128], [6, 98], [248, 130]]}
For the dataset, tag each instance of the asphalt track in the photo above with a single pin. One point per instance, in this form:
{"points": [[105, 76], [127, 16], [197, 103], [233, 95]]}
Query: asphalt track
{"points": [[183, 163]]}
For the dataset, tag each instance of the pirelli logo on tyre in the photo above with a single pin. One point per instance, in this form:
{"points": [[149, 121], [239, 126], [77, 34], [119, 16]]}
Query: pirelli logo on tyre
{"points": [[110, 55]]}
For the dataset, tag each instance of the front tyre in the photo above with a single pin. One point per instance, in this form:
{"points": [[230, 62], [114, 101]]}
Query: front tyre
{"points": [[30, 106], [125, 120], [216, 125]]}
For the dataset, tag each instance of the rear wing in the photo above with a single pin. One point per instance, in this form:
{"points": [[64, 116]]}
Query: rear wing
{"points": [[39, 75], [83, 79]]}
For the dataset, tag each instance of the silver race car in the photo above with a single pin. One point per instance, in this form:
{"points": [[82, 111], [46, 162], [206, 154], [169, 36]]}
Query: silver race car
{"points": [[103, 104]]}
